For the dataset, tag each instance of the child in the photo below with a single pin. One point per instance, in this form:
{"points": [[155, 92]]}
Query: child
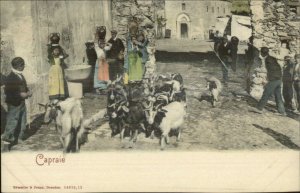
{"points": [[56, 84], [16, 92], [101, 75]]}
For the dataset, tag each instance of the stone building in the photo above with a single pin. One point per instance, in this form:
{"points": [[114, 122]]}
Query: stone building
{"points": [[189, 19]]}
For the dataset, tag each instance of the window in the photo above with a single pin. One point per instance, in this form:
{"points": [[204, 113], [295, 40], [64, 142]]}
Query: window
{"points": [[183, 6], [207, 9], [224, 10], [218, 9], [213, 9]]}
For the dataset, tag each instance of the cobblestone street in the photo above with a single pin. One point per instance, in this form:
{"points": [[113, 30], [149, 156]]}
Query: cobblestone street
{"points": [[229, 126]]}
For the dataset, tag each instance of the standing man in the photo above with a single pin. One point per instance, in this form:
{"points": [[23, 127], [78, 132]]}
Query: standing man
{"points": [[115, 56], [16, 92], [274, 76], [225, 56], [234, 43], [217, 40], [249, 53], [287, 79], [296, 78]]}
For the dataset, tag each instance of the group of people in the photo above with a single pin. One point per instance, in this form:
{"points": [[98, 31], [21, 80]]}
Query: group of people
{"points": [[112, 62], [284, 82], [227, 53], [291, 83], [281, 82]]}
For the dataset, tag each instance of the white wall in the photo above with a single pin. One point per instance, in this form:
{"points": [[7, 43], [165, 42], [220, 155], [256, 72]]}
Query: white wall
{"points": [[201, 19], [241, 27]]}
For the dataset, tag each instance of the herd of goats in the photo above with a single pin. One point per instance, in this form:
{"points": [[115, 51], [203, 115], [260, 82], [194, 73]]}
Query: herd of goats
{"points": [[154, 106]]}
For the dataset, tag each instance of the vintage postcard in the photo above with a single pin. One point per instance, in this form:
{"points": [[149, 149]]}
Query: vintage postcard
{"points": [[150, 95]]}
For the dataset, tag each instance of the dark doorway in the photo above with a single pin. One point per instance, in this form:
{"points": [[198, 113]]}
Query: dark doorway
{"points": [[184, 30]]}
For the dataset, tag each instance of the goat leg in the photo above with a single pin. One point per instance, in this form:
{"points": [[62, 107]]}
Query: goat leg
{"points": [[77, 141], [122, 134], [162, 142], [62, 141], [178, 135], [167, 139], [152, 135], [133, 138], [67, 142], [135, 135], [143, 127]]}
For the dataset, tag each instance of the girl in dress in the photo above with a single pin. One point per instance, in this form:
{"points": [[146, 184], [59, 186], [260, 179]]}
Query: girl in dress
{"points": [[101, 75], [56, 82]]}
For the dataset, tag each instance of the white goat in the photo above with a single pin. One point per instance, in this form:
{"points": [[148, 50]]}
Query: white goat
{"points": [[215, 87], [176, 88], [170, 117], [68, 116]]}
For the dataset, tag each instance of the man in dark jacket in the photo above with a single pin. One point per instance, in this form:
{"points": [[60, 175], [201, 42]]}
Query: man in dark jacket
{"points": [[16, 92], [274, 75], [115, 56], [217, 40], [287, 80], [225, 56], [234, 43], [249, 61]]}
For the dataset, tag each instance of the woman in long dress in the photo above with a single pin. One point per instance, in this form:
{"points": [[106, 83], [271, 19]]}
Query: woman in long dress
{"points": [[134, 60], [56, 83], [101, 75]]}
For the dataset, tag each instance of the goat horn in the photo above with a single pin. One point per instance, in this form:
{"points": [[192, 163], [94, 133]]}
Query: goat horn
{"points": [[43, 105], [157, 107]]}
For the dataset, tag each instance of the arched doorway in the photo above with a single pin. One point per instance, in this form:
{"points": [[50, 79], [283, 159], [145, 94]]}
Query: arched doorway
{"points": [[183, 31], [183, 26]]}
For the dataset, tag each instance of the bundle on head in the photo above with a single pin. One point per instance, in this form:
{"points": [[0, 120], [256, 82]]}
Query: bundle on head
{"points": [[54, 38], [101, 32]]}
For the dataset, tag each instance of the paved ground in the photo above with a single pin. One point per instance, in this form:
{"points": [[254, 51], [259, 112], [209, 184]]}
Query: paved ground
{"points": [[229, 126]]}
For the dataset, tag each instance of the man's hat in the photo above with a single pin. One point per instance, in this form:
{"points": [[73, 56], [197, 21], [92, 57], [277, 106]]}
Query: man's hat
{"points": [[114, 31]]}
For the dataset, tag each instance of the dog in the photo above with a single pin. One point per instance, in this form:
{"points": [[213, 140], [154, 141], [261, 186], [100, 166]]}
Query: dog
{"points": [[215, 87]]}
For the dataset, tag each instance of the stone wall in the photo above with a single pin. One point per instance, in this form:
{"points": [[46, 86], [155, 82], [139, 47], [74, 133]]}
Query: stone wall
{"points": [[273, 27], [144, 11], [25, 27]]}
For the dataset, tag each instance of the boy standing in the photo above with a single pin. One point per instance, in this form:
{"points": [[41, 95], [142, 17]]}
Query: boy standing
{"points": [[16, 92]]}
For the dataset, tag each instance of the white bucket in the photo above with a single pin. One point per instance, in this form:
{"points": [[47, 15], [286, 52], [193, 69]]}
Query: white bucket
{"points": [[75, 89]]}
